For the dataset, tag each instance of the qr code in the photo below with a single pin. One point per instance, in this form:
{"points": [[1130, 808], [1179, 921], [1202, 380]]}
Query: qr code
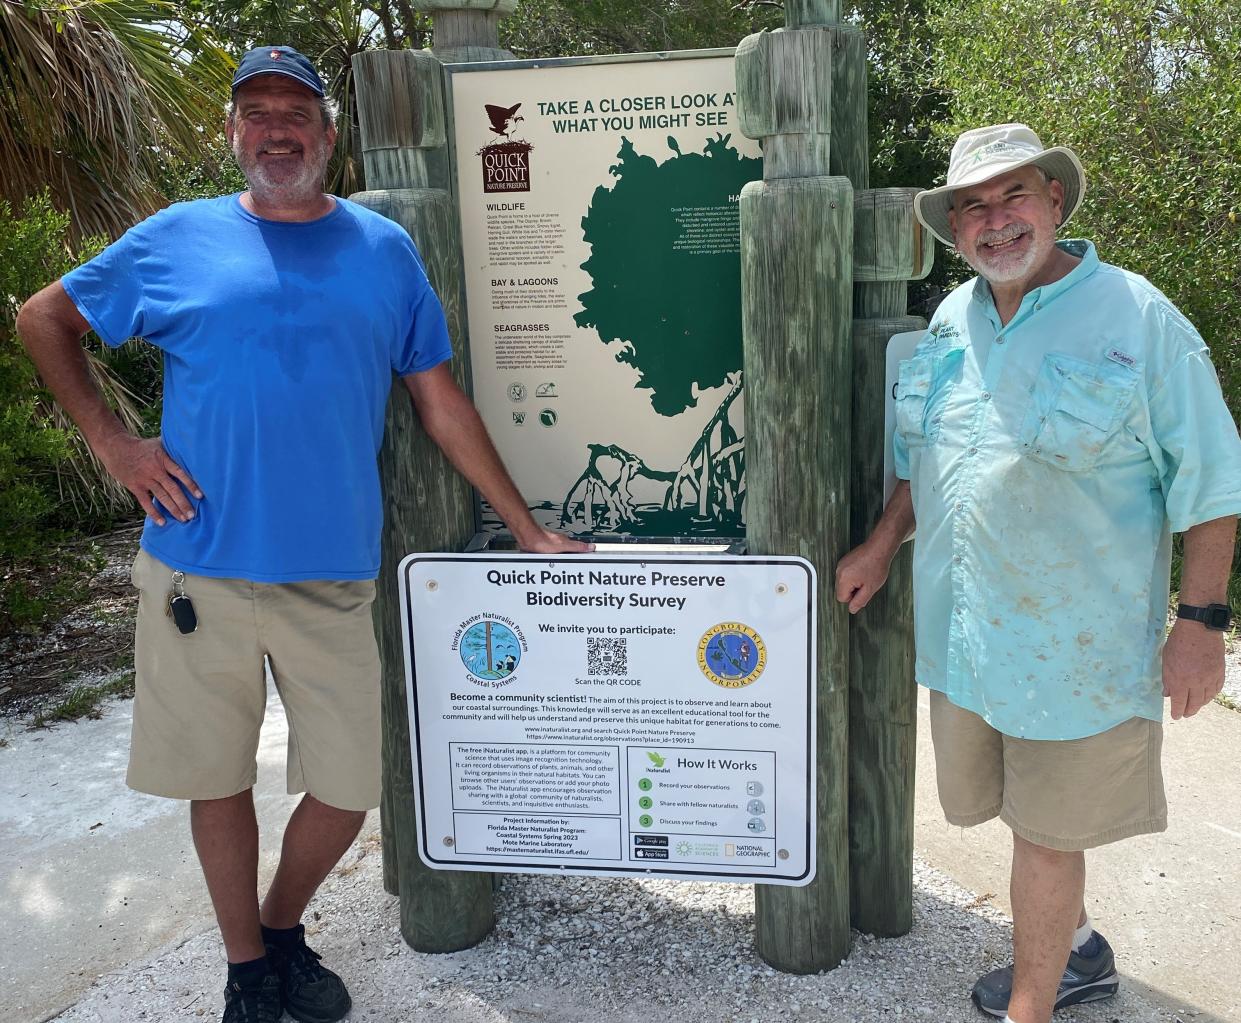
{"points": [[606, 656]]}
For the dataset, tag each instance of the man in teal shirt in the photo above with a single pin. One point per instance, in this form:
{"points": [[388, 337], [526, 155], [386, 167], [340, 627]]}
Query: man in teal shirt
{"points": [[1059, 421]]}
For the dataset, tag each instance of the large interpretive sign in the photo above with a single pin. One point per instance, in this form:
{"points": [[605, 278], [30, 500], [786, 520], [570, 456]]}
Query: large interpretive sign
{"points": [[613, 715], [599, 218]]}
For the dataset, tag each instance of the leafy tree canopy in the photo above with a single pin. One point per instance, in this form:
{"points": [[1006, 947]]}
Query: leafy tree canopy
{"points": [[1148, 93], [564, 28]]}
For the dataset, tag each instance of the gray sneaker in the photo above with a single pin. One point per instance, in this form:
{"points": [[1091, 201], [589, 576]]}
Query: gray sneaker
{"points": [[1090, 976]]}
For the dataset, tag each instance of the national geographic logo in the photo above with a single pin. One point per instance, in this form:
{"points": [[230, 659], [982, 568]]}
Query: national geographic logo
{"points": [[506, 164]]}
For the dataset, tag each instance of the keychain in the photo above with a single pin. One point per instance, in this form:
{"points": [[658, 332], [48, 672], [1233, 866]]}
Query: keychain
{"points": [[180, 608]]}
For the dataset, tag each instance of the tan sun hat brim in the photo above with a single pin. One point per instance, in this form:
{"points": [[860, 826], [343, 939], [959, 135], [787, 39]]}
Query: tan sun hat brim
{"points": [[932, 206]]}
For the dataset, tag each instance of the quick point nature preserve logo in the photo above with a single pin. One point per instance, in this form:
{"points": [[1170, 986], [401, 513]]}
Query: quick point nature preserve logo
{"points": [[506, 164], [491, 647], [732, 655]]}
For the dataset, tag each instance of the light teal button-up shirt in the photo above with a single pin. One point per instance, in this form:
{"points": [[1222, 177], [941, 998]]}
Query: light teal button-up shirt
{"points": [[1050, 459]]}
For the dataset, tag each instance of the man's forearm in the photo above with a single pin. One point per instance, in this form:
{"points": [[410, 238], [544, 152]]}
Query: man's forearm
{"points": [[454, 424], [48, 326], [1208, 561], [896, 523]]}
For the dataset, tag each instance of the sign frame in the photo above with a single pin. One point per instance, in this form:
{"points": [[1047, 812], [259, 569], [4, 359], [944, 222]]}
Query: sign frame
{"points": [[804, 829], [900, 347]]}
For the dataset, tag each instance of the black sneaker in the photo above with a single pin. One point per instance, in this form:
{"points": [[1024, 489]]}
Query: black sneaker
{"points": [[253, 1003], [1089, 976], [311, 993]]}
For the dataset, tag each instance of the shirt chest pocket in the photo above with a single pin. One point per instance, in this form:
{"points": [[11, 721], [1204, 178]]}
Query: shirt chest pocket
{"points": [[922, 387], [1078, 407]]}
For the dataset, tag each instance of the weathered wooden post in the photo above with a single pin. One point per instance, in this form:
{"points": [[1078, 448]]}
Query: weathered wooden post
{"points": [[889, 249], [796, 285], [815, 356], [427, 505], [466, 31]]}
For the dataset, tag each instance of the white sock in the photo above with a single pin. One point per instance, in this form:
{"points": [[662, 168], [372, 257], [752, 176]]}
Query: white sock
{"points": [[1082, 935]]}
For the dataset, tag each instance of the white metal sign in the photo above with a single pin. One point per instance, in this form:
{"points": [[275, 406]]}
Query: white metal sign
{"points": [[615, 715]]}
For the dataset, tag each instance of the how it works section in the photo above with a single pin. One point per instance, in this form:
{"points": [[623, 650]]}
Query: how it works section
{"points": [[708, 792]]}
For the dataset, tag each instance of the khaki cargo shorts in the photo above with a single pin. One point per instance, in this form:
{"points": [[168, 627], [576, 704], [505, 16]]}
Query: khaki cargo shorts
{"points": [[201, 697], [1068, 795]]}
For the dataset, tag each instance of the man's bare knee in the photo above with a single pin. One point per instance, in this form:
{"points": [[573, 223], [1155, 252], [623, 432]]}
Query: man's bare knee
{"points": [[1033, 853]]}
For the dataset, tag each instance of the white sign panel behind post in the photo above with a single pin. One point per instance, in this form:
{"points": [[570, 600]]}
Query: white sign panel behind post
{"points": [[900, 347], [613, 715]]}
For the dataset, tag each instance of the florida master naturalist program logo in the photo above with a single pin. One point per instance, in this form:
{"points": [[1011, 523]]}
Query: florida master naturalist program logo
{"points": [[491, 649]]}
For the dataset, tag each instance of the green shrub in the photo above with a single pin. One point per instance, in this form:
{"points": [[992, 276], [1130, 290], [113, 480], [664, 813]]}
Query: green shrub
{"points": [[32, 252], [1148, 94], [39, 456]]}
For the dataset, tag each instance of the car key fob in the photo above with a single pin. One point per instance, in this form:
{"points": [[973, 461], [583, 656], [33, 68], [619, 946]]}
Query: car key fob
{"points": [[180, 607], [183, 615]]}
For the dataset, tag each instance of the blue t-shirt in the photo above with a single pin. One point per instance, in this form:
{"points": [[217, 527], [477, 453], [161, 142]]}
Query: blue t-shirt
{"points": [[279, 341]]}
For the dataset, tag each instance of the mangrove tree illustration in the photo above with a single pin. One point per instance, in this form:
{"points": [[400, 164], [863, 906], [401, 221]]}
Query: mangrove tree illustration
{"points": [[675, 318]]}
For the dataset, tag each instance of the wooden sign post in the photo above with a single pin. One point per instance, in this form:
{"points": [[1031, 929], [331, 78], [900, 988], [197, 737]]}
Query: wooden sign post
{"points": [[825, 261], [814, 356], [428, 506]]}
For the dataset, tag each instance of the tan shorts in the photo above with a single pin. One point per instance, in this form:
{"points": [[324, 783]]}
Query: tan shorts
{"points": [[201, 697], [1068, 795]]}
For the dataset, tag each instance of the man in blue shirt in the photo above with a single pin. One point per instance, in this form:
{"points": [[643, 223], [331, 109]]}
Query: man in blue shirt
{"points": [[282, 314], [1059, 421]]}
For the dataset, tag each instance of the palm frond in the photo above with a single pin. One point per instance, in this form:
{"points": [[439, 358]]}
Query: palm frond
{"points": [[94, 94], [81, 479]]}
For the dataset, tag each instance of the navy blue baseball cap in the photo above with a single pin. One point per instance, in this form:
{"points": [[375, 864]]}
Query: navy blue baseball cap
{"points": [[278, 60]]}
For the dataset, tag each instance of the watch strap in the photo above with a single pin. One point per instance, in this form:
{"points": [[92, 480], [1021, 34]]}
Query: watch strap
{"points": [[1214, 616]]}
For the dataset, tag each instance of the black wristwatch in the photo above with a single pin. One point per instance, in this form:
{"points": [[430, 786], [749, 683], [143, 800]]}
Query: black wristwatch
{"points": [[1217, 617]]}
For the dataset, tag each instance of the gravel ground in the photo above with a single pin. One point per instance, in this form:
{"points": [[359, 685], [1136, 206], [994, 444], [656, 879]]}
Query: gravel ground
{"points": [[1232, 677], [90, 645], [578, 949]]}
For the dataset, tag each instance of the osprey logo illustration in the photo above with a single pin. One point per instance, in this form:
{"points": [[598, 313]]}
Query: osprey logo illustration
{"points": [[503, 119], [506, 161]]}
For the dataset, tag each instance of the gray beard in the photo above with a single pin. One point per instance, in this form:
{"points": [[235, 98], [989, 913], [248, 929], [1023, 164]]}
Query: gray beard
{"points": [[303, 187], [1005, 270]]}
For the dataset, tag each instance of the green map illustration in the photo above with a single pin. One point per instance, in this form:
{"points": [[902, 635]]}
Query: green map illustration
{"points": [[665, 268]]}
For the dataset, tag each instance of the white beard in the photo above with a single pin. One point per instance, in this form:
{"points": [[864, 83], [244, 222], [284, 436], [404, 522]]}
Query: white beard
{"points": [[1005, 267], [302, 185]]}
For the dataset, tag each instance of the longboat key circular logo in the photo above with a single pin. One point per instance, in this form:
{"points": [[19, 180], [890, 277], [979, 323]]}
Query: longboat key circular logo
{"points": [[732, 655]]}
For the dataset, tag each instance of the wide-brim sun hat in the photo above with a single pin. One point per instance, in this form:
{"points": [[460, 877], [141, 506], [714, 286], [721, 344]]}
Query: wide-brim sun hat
{"points": [[984, 153]]}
